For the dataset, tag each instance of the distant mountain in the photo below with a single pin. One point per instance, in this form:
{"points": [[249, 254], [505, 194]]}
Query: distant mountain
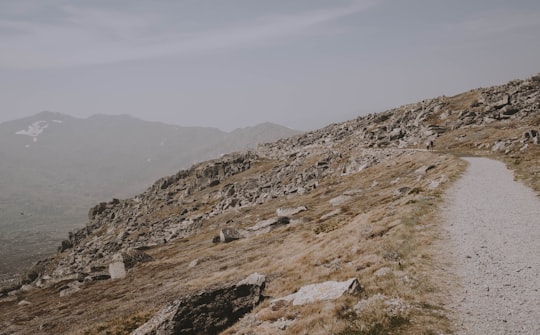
{"points": [[54, 167]]}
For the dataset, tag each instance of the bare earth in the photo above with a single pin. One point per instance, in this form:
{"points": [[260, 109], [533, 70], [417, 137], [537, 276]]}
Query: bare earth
{"points": [[493, 239]]}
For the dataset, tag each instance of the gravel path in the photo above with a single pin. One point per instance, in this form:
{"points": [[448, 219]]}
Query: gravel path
{"points": [[493, 228]]}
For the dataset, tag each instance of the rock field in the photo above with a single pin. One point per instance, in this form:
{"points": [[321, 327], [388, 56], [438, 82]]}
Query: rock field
{"points": [[210, 197]]}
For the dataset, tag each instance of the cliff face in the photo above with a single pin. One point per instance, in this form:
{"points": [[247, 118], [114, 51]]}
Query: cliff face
{"points": [[329, 204]]}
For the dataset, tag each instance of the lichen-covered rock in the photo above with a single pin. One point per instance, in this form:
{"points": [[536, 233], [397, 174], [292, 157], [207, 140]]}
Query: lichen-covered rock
{"points": [[329, 290], [207, 312]]}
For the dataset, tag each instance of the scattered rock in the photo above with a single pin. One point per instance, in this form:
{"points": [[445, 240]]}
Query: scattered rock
{"points": [[329, 290], [504, 100], [122, 262], [66, 244], [26, 288], [227, 235], [255, 279], [531, 136], [71, 288], [133, 257], [99, 276], [340, 200], [383, 272], [353, 192], [396, 134], [328, 215], [193, 263], [269, 224], [424, 169], [117, 269], [290, 211], [434, 184], [29, 276], [402, 191]]}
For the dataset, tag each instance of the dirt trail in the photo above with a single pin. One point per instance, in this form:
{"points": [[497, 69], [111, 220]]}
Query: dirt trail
{"points": [[493, 226]]}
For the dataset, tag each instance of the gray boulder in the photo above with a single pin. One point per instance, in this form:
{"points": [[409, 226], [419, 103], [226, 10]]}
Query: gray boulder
{"points": [[227, 235], [117, 269], [329, 290], [122, 262], [339, 200], [65, 244], [269, 224], [289, 211]]}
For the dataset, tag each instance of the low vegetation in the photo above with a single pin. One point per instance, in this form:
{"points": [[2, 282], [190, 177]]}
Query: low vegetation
{"points": [[378, 222]]}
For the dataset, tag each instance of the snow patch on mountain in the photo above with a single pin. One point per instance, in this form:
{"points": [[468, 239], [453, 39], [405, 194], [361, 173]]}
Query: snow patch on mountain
{"points": [[57, 121], [34, 130]]}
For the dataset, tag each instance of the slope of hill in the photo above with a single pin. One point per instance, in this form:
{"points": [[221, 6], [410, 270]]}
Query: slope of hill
{"points": [[341, 222], [54, 167]]}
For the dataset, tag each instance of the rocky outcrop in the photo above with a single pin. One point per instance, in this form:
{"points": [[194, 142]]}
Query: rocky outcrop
{"points": [[207, 312], [415, 124]]}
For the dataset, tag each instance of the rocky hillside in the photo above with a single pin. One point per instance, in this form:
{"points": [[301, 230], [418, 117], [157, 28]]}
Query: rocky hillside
{"points": [[325, 232], [55, 166]]}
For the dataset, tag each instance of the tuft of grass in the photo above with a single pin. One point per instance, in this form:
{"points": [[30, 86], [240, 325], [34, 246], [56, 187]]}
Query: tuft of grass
{"points": [[118, 326]]}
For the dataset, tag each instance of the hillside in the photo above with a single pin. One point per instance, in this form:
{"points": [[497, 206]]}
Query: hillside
{"points": [[54, 167], [339, 224]]}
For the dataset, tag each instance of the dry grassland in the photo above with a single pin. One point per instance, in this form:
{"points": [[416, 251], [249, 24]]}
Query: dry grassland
{"points": [[378, 228], [382, 237]]}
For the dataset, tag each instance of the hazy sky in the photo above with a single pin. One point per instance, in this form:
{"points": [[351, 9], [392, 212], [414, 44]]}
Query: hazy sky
{"points": [[235, 63]]}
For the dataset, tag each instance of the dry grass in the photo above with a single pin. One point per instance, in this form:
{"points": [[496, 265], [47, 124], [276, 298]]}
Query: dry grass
{"points": [[376, 229], [462, 101], [117, 326]]}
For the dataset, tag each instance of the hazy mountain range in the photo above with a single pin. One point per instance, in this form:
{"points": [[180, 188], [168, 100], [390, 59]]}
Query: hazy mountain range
{"points": [[54, 167]]}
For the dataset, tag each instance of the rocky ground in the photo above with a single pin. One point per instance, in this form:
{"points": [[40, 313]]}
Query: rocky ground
{"points": [[351, 207]]}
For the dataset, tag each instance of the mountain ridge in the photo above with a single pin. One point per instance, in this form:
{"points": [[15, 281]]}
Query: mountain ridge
{"points": [[356, 200]]}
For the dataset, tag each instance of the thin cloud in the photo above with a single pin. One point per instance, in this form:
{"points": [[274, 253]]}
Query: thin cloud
{"points": [[495, 23], [102, 36]]}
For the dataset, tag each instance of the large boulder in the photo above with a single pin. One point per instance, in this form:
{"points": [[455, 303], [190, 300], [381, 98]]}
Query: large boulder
{"points": [[329, 290], [207, 312], [117, 268]]}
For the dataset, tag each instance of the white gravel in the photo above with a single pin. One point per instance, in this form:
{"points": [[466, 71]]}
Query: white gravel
{"points": [[493, 228]]}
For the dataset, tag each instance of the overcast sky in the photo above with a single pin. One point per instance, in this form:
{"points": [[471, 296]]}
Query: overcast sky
{"points": [[235, 63]]}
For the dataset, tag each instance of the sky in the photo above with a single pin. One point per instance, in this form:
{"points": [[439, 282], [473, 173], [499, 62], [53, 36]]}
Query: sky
{"points": [[236, 63]]}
